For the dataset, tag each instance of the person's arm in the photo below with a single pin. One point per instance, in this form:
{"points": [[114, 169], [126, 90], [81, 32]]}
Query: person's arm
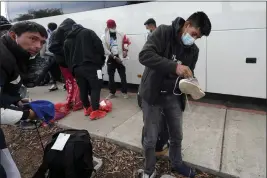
{"points": [[6, 99], [67, 55], [105, 46], [56, 43], [11, 116], [150, 54], [98, 46], [195, 58]]}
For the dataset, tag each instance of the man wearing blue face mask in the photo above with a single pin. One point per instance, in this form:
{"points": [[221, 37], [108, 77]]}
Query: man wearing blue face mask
{"points": [[168, 56], [162, 144]]}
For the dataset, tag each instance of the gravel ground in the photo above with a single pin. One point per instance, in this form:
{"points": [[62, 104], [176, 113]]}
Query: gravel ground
{"points": [[118, 162]]}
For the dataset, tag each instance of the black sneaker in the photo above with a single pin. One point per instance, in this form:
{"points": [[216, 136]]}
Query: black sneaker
{"points": [[185, 171]]}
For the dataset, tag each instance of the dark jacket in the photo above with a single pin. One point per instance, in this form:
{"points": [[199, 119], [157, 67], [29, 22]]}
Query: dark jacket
{"points": [[13, 65], [82, 45], [156, 55], [13, 61], [57, 41]]}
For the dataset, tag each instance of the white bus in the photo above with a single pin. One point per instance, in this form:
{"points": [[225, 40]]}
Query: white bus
{"points": [[232, 60]]}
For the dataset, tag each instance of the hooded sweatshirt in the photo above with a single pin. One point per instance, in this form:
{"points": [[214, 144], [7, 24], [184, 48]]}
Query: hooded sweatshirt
{"points": [[58, 37], [5, 25], [82, 45], [158, 56]]}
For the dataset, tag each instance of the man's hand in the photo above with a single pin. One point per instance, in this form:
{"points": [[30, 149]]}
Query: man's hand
{"points": [[118, 60], [20, 104], [23, 101], [26, 100], [32, 115], [183, 71], [111, 56]]}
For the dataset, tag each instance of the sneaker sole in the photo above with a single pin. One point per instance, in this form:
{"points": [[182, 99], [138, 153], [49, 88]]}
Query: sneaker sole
{"points": [[192, 89]]}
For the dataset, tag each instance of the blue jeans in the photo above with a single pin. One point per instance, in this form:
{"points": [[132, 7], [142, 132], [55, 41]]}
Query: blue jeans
{"points": [[152, 115]]}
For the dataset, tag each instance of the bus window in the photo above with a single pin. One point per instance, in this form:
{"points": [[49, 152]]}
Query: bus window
{"points": [[18, 11], [114, 3], [15, 9], [136, 2], [72, 7]]}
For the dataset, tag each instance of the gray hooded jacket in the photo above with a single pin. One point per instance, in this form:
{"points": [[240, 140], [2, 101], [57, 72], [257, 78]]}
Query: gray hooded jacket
{"points": [[156, 56]]}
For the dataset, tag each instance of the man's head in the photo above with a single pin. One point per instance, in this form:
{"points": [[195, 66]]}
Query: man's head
{"points": [[52, 26], [30, 36], [196, 26], [150, 25], [111, 25]]}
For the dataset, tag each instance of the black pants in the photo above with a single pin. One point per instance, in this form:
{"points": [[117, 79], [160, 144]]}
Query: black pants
{"points": [[54, 70], [112, 66], [88, 82]]}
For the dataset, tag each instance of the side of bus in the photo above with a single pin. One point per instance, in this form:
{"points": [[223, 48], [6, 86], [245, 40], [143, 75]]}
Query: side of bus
{"points": [[232, 60]]}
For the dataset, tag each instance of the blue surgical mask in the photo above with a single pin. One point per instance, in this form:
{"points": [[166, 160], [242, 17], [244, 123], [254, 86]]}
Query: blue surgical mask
{"points": [[187, 39]]}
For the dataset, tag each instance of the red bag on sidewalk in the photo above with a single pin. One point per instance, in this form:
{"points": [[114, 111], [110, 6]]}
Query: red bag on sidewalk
{"points": [[76, 101], [61, 110], [105, 105]]}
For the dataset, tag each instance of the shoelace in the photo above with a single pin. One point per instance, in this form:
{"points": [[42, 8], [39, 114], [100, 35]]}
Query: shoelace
{"points": [[177, 94]]}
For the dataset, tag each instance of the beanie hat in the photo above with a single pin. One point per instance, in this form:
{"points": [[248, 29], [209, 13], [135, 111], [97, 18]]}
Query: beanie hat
{"points": [[4, 23], [111, 23]]}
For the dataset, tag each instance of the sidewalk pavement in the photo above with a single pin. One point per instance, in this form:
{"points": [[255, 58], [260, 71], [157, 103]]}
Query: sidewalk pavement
{"points": [[224, 142]]}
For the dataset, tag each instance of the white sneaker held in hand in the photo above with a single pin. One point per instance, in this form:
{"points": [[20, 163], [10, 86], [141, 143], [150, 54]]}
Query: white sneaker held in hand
{"points": [[191, 87]]}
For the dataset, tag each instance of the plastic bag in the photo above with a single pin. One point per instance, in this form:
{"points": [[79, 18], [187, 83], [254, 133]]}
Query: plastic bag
{"points": [[76, 100], [105, 105], [37, 70], [61, 110]]}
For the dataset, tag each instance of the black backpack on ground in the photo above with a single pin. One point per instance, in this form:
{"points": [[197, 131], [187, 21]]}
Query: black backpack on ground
{"points": [[74, 161]]}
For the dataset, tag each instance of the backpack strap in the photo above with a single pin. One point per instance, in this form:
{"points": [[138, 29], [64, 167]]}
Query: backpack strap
{"points": [[43, 167], [48, 157]]}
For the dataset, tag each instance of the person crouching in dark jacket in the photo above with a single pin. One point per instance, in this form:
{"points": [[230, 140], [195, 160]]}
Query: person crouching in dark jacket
{"points": [[168, 55], [56, 47], [23, 40], [85, 58]]}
